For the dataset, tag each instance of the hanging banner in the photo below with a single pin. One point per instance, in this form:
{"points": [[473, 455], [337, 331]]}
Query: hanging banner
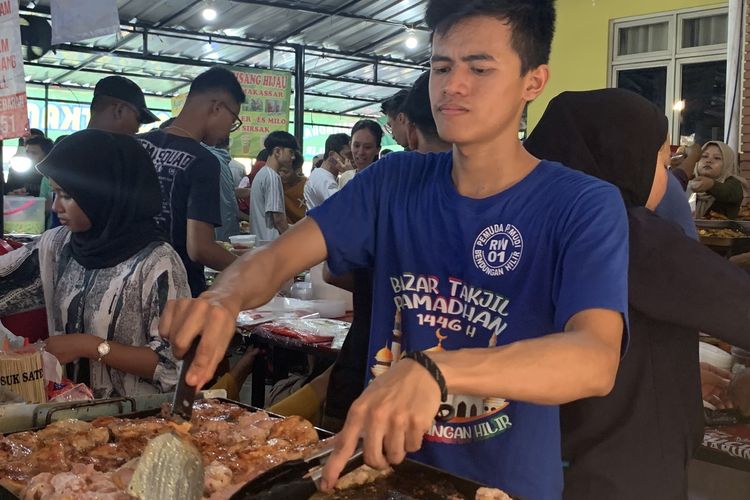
{"points": [[266, 109], [14, 121]]}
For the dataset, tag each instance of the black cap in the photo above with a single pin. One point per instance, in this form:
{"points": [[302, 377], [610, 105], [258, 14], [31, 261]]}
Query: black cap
{"points": [[126, 90]]}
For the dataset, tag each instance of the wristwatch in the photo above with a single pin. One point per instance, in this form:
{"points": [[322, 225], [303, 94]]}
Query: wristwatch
{"points": [[103, 350]]}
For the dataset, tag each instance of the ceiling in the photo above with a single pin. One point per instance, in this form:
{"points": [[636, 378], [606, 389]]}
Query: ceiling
{"points": [[354, 50]]}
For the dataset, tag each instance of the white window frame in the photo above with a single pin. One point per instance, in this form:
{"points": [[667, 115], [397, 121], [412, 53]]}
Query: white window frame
{"points": [[673, 58], [720, 48], [678, 85], [645, 56]]}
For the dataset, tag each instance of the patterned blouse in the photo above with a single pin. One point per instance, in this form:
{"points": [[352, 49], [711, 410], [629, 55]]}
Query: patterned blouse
{"points": [[121, 304]]}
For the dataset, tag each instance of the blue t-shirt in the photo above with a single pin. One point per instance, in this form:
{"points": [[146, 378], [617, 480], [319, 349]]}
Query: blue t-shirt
{"points": [[675, 208], [453, 272]]}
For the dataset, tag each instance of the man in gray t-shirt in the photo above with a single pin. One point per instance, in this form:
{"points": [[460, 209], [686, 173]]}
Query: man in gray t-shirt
{"points": [[267, 213]]}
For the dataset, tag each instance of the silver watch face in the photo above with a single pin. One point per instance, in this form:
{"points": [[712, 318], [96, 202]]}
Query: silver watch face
{"points": [[103, 348]]}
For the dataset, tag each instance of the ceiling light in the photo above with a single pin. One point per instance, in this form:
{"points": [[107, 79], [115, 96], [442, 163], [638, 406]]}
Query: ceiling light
{"points": [[209, 14], [30, 5], [411, 40], [679, 106]]}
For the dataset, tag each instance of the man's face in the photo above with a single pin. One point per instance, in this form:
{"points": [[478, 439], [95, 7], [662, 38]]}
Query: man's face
{"points": [[287, 174], [285, 157], [397, 124], [126, 122], [222, 118], [476, 88], [35, 154]]}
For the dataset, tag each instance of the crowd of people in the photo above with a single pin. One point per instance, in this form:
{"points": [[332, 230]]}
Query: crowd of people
{"points": [[508, 315]]}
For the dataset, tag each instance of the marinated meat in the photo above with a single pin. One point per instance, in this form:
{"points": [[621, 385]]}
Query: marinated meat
{"points": [[216, 477], [79, 460], [20, 443], [81, 482], [107, 457], [491, 494], [85, 441], [51, 458], [295, 430]]}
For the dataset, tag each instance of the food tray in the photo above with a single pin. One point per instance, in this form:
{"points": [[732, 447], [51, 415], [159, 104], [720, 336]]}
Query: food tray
{"points": [[712, 223], [5, 494], [410, 481], [429, 475], [727, 246]]}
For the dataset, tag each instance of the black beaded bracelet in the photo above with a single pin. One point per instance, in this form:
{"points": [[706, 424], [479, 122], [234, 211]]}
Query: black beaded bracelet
{"points": [[433, 370]]}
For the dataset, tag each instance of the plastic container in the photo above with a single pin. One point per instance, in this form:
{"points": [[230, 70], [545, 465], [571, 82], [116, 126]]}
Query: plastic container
{"points": [[715, 356], [242, 241], [301, 290], [23, 214], [329, 308]]}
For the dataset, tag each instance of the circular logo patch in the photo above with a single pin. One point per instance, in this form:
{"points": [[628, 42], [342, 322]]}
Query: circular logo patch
{"points": [[497, 249]]}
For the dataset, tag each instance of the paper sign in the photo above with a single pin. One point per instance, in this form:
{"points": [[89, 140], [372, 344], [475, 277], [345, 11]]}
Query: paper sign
{"points": [[266, 109], [14, 121]]}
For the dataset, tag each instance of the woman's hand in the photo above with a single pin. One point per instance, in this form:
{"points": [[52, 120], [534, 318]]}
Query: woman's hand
{"points": [[73, 346], [701, 184], [715, 385]]}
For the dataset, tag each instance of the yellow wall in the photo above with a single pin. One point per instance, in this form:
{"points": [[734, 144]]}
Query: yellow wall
{"points": [[581, 45]]}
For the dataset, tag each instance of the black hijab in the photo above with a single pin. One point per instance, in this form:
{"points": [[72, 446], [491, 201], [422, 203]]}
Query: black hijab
{"points": [[112, 179], [612, 134]]}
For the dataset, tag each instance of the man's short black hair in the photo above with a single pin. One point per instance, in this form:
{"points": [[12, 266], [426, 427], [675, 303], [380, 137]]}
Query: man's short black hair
{"points": [[532, 23], [374, 127], [44, 143], [35, 132], [280, 139], [336, 143], [218, 79], [392, 106], [417, 106]]}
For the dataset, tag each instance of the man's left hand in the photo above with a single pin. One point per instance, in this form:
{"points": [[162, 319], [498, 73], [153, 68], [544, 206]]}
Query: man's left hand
{"points": [[391, 416]]}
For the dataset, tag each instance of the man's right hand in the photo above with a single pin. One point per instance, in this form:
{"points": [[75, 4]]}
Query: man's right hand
{"points": [[211, 317]]}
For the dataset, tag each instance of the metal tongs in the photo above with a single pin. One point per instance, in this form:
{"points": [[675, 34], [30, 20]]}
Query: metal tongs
{"points": [[296, 478]]}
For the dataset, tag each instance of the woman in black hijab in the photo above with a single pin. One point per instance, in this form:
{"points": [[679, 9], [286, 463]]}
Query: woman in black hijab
{"points": [[106, 274], [637, 441]]}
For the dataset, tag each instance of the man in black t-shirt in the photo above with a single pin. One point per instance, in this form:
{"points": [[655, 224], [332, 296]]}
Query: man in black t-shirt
{"points": [[189, 174]]}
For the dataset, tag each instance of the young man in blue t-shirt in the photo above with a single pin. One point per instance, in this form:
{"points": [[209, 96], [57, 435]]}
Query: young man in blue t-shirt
{"points": [[508, 274]]}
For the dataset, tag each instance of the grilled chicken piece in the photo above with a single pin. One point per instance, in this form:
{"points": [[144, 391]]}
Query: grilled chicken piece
{"points": [[296, 430]]}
